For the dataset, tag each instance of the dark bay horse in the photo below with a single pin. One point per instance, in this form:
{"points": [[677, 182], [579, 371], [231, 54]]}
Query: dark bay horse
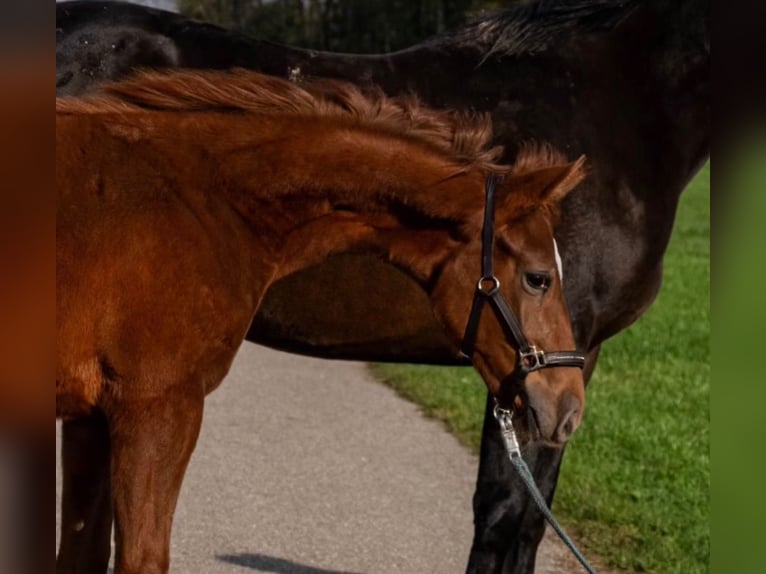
{"points": [[625, 82], [181, 198]]}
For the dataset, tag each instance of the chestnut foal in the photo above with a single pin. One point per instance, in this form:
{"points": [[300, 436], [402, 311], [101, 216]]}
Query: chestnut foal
{"points": [[182, 197]]}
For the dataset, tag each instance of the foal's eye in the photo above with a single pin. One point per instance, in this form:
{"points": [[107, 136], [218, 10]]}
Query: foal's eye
{"points": [[537, 281]]}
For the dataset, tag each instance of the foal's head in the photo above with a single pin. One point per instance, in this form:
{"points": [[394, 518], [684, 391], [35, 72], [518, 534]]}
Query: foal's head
{"points": [[549, 402]]}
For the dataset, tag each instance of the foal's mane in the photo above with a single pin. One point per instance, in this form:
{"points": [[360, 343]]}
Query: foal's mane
{"points": [[535, 26], [466, 137]]}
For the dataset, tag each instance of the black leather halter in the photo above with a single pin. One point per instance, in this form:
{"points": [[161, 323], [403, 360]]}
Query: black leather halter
{"points": [[529, 358]]}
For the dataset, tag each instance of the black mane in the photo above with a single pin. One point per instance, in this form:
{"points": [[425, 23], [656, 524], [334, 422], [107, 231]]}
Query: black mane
{"points": [[535, 26]]}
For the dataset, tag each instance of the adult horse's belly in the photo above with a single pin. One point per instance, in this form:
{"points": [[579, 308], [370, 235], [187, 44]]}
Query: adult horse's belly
{"points": [[352, 307]]}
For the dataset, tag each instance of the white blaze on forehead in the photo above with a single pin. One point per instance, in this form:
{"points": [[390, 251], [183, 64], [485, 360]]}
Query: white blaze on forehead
{"points": [[558, 261]]}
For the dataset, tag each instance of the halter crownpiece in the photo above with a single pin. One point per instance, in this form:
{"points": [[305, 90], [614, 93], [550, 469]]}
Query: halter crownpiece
{"points": [[528, 357]]}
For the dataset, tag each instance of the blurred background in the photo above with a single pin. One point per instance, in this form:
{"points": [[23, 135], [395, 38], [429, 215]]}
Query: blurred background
{"points": [[339, 25], [336, 25]]}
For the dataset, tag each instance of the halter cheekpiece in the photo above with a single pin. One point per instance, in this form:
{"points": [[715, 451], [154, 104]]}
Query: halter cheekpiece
{"points": [[529, 358]]}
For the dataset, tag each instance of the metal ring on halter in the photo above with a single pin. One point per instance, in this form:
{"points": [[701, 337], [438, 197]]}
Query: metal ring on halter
{"points": [[495, 285]]}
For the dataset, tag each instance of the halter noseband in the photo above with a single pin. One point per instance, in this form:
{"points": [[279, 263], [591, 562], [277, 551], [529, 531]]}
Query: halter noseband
{"points": [[529, 358]]}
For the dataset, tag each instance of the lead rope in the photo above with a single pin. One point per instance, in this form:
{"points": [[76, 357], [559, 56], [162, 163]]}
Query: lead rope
{"points": [[504, 418]]}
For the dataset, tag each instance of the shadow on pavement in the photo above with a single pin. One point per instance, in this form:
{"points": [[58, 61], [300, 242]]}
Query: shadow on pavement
{"points": [[263, 563]]}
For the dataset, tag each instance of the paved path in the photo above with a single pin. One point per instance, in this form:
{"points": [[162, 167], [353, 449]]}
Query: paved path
{"points": [[307, 466]]}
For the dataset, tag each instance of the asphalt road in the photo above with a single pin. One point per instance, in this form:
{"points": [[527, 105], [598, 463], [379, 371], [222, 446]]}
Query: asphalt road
{"points": [[306, 466]]}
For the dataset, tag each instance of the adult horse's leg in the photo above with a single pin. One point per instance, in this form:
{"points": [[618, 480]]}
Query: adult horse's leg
{"points": [[506, 530], [152, 441], [508, 527], [86, 505]]}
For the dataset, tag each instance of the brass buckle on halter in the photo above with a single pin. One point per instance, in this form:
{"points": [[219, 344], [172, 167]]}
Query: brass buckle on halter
{"points": [[533, 359]]}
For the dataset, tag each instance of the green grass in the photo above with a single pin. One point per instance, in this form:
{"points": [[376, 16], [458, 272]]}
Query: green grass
{"points": [[634, 487]]}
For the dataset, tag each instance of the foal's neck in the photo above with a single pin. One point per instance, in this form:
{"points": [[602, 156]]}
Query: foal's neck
{"points": [[315, 188]]}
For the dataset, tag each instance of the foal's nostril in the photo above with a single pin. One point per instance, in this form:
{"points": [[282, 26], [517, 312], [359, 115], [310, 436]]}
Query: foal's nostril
{"points": [[569, 407], [566, 428]]}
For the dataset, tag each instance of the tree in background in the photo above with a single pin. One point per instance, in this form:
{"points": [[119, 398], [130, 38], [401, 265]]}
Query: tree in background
{"points": [[339, 25]]}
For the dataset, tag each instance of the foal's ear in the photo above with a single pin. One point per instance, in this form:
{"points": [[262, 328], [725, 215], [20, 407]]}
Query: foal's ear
{"points": [[543, 185], [561, 180]]}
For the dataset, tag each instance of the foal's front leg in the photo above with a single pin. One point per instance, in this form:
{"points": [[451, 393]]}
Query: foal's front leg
{"points": [[152, 441], [86, 505]]}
